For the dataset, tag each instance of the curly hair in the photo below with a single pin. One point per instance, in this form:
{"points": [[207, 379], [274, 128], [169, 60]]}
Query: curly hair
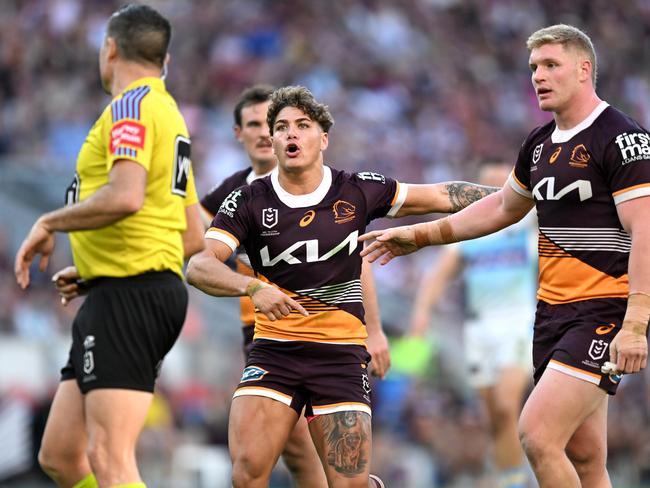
{"points": [[302, 99]]}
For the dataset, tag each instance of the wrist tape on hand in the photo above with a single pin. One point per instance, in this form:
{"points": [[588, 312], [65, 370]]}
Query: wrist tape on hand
{"points": [[434, 233], [637, 313]]}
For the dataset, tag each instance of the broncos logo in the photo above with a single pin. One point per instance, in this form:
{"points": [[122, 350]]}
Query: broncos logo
{"points": [[343, 212], [579, 156]]}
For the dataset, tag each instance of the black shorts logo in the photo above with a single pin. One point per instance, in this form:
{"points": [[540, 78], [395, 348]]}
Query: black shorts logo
{"points": [[182, 164]]}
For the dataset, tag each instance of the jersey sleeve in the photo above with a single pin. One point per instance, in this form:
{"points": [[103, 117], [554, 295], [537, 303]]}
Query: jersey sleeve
{"points": [[132, 125], [519, 179], [384, 196], [626, 164], [231, 223], [213, 199]]}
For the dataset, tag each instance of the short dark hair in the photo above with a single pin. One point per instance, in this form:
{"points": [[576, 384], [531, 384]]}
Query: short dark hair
{"points": [[300, 98], [252, 96], [141, 33]]}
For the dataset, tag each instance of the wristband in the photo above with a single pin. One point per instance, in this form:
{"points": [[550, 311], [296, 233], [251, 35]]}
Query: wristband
{"points": [[637, 313], [434, 233], [253, 287]]}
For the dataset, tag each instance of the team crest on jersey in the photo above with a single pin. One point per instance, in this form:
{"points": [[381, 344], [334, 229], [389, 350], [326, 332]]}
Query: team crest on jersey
{"points": [[597, 349], [633, 147], [343, 212], [579, 157], [252, 373], [537, 153], [269, 217]]}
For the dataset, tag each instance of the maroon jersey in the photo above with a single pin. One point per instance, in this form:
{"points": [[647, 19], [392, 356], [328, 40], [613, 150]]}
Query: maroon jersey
{"points": [[211, 202], [307, 246], [577, 177]]}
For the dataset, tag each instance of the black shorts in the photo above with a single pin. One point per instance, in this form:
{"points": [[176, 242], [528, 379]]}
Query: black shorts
{"points": [[322, 378], [248, 332], [124, 329], [574, 338]]}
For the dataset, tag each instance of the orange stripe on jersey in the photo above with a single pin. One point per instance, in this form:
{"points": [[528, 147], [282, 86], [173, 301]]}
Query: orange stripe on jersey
{"points": [[630, 188], [246, 307], [326, 323], [514, 177], [392, 202], [564, 278], [224, 232]]}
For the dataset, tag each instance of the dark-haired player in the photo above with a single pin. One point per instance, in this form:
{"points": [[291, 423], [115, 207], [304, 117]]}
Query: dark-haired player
{"points": [[299, 227], [588, 174], [132, 214]]}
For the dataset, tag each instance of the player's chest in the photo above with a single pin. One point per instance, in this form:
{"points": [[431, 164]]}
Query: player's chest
{"points": [[564, 173], [308, 234]]}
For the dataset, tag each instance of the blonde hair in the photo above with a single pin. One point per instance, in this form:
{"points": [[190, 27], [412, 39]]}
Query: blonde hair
{"points": [[567, 36]]}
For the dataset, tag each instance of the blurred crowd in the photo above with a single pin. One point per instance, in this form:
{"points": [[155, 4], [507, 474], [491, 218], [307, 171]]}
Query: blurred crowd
{"points": [[420, 89]]}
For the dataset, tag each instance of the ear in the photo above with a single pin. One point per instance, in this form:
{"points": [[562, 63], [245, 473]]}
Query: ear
{"points": [[111, 48], [237, 130], [168, 58], [585, 70], [324, 141]]}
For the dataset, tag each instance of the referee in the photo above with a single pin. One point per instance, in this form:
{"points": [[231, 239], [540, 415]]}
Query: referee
{"points": [[132, 213]]}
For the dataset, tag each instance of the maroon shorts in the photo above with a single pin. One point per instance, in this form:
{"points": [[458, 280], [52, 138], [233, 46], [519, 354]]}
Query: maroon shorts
{"points": [[574, 338], [322, 378]]}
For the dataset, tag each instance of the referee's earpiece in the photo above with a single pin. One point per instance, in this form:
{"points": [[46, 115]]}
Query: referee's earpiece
{"points": [[163, 73]]}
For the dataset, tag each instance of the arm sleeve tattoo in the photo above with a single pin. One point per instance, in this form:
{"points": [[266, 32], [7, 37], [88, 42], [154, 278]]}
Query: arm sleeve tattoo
{"points": [[462, 194]]}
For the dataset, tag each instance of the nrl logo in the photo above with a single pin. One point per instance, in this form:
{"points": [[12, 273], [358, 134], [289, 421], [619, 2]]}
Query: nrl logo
{"points": [[537, 153], [597, 349], [269, 217]]}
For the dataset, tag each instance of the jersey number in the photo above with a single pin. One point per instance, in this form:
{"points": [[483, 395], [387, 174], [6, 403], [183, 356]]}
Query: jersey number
{"points": [[182, 163], [72, 192]]}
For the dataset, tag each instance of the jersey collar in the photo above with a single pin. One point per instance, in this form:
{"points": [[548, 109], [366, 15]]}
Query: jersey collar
{"points": [[559, 136], [300, 201]]}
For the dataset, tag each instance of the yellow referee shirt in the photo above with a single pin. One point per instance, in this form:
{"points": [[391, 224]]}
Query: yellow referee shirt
{"points": [[142, 124]]}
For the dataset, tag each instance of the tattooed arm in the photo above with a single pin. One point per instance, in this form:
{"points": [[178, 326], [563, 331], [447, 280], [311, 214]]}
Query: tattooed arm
{"points": [[447, 197]]}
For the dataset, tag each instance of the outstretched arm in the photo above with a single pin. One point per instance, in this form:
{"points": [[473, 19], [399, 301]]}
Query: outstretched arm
{"points": [[431, 289], [486, 216], [449, 197], [208, 272]]}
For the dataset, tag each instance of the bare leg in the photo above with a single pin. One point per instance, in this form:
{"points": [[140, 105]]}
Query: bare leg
{"points": [[558, 406], [301, 458], [114, 419], [344, 442], [257, 433], [587, 450], [63, 448]]}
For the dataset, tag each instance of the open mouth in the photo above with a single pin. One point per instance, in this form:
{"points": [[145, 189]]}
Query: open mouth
{"points": [[292, 150], [543, 91]]}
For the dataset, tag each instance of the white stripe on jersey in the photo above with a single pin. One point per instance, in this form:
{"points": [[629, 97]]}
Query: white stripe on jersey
{"points": [[632, 194], [589, 238], [348, 292], [518, 188], [402, 192], [220, 236]]}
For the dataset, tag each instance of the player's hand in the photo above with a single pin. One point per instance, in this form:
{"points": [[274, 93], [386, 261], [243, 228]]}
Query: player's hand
{"points": [[389, 243], [66, 282], [629, 351], [273, 303], [378, 348], [40, 240]]}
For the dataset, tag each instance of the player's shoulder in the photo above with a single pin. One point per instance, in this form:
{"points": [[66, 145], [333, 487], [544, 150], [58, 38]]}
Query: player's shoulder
{"points": [[613, 122], [236, 179], [361, 177], [539, 134]]}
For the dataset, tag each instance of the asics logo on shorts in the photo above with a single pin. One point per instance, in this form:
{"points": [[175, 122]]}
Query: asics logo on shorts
{"points": [[252, 373], [605, 329]]}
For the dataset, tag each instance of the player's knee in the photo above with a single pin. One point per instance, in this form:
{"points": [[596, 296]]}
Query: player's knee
{"points": [[246, 470], [587, 457], [533, 442], [59, 462]]}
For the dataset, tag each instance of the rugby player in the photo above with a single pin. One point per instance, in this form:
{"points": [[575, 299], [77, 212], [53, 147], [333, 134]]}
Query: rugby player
{"points": [[299, 227], [587, 173]]}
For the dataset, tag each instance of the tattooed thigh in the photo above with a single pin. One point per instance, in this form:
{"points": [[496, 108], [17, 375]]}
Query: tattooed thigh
{"points": [[346, 441]]}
